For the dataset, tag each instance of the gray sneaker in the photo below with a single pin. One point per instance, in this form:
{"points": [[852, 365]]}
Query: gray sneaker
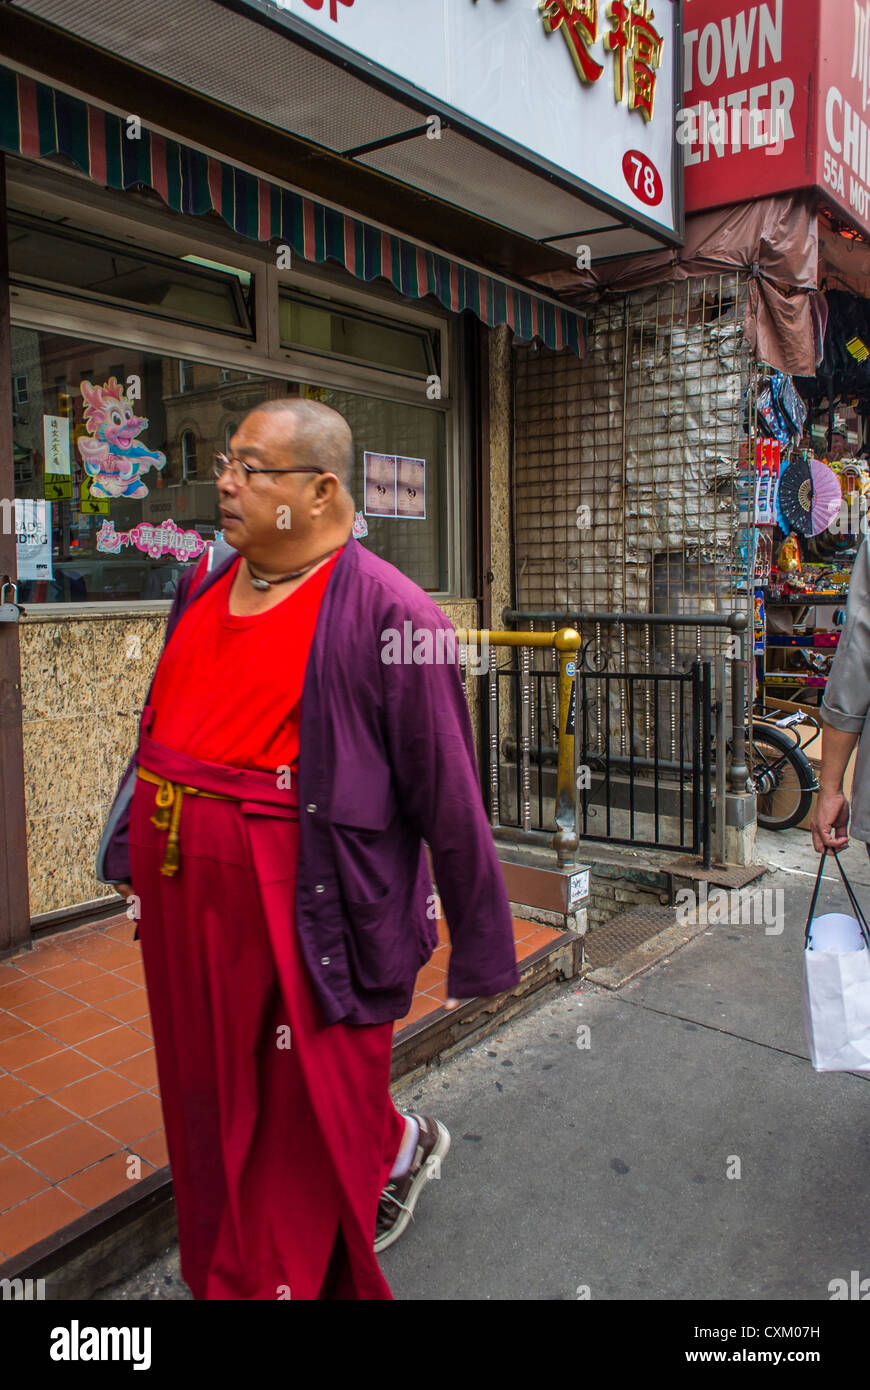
{"points": [[400, 1196]]}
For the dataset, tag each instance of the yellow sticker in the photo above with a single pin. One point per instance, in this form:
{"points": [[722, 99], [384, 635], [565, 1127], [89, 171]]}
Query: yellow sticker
{"points": [[58, 487], [92, 506]]}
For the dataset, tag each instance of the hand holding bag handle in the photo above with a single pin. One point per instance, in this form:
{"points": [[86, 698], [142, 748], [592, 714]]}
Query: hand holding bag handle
{"points": [[856, 907]]}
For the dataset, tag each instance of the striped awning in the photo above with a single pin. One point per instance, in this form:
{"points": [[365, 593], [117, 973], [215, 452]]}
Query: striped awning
{"points": [[37, 120]]}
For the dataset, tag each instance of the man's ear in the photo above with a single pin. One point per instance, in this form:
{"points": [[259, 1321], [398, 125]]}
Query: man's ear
{"points": [[325, 492]]}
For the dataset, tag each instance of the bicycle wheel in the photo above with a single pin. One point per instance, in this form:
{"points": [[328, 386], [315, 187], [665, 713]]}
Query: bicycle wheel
{"points": [[782, 776]]}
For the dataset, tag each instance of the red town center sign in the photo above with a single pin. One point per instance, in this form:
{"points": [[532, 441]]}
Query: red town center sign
{"points": [[775, 98]]}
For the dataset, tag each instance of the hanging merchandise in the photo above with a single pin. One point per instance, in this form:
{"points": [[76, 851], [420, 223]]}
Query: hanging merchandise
{"points": [[770, 421], [809, 496], [855, 482], [758, 622], [780, 412], [789, 558], [789, 403], [767, 461], [763, 556]]}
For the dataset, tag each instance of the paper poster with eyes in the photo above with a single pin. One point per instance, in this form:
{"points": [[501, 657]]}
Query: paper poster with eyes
{"points": [[111, 453], [395, 486], [379, 484], [411, 488]]}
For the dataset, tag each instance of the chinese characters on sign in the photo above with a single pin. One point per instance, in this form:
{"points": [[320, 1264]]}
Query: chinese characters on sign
{"points": [[636, 46], [578, 20], [55, 438], [156, 541], [318, 5]]}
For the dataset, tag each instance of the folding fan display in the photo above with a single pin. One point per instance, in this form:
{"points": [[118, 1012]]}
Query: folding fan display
{"points": [[809, 496]]}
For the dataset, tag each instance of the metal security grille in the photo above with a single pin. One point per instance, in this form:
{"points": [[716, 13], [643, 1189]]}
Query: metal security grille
{"points": [[630, 500], [644, 436]]}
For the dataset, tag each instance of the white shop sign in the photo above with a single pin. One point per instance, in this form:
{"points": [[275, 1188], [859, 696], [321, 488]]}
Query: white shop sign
{"points": [[514, 67]]}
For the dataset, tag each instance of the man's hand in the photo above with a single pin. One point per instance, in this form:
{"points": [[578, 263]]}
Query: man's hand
{"points": [[830, 821]]}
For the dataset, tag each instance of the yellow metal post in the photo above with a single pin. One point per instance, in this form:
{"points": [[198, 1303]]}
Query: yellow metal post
{"points": [[567, 642]]}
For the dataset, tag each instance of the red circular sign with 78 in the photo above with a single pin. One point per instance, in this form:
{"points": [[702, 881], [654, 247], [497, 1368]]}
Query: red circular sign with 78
{"points": [[642, 177]]}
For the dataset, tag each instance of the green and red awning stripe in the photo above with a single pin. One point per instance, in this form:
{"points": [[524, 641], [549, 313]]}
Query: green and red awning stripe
{"points": [[37, 120]]}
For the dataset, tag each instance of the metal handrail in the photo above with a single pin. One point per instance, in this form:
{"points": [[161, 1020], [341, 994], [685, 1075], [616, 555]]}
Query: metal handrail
{"points": [[736, 622], [567, 642]]}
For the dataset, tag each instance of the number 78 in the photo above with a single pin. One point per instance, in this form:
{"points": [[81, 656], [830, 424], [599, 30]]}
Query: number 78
{"points": [[649, 182]]}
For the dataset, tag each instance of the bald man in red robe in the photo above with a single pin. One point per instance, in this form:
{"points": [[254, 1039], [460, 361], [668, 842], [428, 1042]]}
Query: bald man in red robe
{"points": [[271, 826]]}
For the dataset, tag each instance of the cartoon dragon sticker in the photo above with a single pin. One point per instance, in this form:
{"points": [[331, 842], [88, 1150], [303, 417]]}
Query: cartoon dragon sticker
{"points": [[111, 457]]}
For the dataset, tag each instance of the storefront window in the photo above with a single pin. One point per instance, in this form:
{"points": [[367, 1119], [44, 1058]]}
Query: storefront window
{"points": [[184, 288], [312, 324], [113, 451], [399, 482]]}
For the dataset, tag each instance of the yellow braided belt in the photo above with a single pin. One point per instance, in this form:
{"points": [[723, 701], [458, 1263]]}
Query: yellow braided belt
{"points": [[168, 813]]}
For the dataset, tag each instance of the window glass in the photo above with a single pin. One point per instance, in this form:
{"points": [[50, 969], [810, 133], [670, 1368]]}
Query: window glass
{"points": [[42, 253], [399, 481], [321, 327], [113, 448]]}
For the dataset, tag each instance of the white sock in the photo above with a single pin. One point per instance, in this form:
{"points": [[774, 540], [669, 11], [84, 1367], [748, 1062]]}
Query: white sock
{"points": [[406, 1152]]}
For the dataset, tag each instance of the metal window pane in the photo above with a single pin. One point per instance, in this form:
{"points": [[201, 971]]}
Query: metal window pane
{"points": [[45, 255], [318, 327]]}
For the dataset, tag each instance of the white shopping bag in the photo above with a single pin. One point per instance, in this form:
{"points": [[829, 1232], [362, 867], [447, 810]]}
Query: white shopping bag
{"points": [[836, 987]]}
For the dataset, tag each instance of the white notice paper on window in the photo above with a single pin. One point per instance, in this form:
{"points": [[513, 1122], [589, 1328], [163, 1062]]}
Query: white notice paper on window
{"points": [[55, 435], [33, 538]]}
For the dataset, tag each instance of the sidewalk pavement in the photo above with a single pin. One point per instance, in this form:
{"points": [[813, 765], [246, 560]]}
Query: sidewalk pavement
{"points": [[607, 1168], [79, 1097]]}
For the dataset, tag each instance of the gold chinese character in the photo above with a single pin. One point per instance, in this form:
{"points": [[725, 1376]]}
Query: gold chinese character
{"points": [[578, 21], [637, 45]]}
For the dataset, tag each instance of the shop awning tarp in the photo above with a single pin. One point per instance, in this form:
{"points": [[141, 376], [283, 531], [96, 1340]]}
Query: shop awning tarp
{"points": [[38, 121], [774, 240]]}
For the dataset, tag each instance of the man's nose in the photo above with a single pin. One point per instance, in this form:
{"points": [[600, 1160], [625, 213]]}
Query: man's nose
{"points": [[227, 484]]}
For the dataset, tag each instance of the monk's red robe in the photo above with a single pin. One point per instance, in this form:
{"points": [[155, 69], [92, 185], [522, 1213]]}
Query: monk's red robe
{"points": [[278, 1152]]}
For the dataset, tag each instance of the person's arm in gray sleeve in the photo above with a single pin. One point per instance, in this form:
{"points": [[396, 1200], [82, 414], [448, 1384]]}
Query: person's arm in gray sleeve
{"points": [[844, 710]]}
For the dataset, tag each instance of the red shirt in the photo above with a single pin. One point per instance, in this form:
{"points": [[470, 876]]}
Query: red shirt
{"points": [[229, 690]]}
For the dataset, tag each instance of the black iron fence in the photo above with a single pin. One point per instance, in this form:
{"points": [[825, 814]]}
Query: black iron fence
{"points": [[583, 747]]}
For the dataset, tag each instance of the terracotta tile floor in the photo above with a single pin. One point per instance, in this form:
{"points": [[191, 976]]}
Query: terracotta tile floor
{"points": [[79, 1102]]}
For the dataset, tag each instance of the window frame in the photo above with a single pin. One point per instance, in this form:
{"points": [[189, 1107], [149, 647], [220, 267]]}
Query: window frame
{"points": [[75, 232], [187, 477], [294, 294], [56, 194]]}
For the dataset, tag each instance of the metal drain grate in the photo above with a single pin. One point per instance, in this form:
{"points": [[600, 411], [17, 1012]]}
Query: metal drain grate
{"points": [[605, 944], [719, 876]]}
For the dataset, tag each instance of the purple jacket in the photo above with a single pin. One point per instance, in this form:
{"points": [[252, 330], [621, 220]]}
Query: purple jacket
{"points": [[386, 761]]}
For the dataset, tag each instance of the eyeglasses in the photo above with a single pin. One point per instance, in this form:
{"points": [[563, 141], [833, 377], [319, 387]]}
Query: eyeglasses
{"points": [[222, 463]]}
